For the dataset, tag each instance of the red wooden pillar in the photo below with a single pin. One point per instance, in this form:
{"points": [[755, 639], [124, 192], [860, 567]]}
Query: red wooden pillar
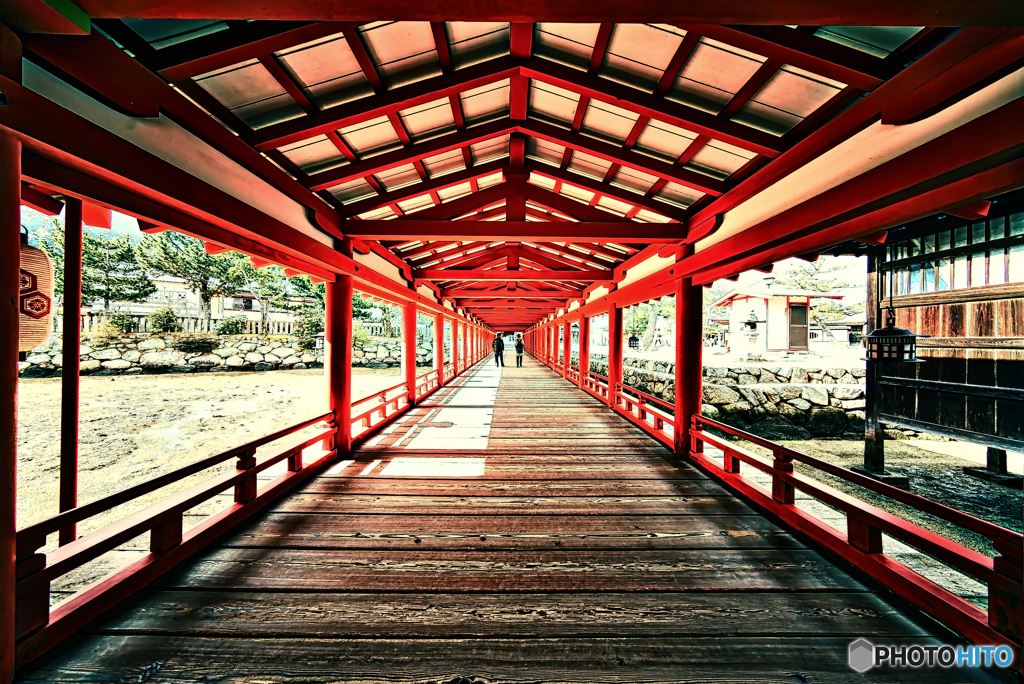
{"points": [[409, 349], [584, 349], [338, 354], [455, 345], [566, 329], [689, 347], [10, 222], [70, 368], [439, 347], [614, 352]]}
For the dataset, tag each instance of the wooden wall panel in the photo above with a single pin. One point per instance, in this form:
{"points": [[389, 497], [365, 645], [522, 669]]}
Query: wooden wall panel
{"points": [[1010, 317], [953, 320], [982, 319], [981, 411]]}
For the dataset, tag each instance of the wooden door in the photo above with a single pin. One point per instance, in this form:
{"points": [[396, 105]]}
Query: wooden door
{"points": [[798, 326]]}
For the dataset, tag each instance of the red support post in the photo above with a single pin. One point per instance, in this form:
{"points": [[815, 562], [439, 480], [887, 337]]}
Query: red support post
{"points": [[409, 349], [689, 347], [10, 221], [338, 354], [455, 346], [584, 349], [69, 378], [439, 347], [614, 351], [566, 347]]}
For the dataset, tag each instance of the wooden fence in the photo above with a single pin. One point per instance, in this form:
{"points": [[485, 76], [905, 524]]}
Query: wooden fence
{"points": [[189, 324]]}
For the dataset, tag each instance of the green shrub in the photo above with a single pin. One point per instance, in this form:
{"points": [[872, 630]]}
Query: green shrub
{"points": [[164, 320], [236, 325], [196, 344], [118, 320], [360, 335], [311, 324]]}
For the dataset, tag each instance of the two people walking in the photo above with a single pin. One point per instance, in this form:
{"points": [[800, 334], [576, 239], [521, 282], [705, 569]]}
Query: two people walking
{"points": [[498, 345]]}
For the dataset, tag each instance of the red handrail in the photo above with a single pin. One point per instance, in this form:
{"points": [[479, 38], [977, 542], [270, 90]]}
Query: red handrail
{"points": [[169, 542], [650, 413], [382, 406], [862, 543]]}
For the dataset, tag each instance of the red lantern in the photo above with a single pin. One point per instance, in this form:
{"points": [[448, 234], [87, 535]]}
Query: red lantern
{"points": [[35, 297]]}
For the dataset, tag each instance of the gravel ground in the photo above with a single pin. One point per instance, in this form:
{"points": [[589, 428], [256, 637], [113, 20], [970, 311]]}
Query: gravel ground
{"points": [[135, 427]]}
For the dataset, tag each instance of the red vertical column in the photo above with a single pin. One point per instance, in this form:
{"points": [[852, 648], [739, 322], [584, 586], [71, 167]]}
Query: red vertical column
{"points": [[409, 349], [689, 347], [566, 329], [584, 349], [439, 347], [10, 251], [455, 345], [70, 368], [338, 353], [614, 352]]}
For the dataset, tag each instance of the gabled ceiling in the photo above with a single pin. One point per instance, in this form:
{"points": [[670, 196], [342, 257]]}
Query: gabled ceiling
{"points": [[609, 136]]}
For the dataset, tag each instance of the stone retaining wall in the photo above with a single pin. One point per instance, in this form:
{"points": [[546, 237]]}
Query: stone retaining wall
{"points": [[134, 354]]}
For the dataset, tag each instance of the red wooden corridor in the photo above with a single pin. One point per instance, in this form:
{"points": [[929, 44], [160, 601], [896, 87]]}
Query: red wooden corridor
{"points": [[578, 552]]}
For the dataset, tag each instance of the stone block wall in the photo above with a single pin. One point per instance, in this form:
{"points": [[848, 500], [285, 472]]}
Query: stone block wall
{"points": [[789, 411], [770, 401], [134, 354]]}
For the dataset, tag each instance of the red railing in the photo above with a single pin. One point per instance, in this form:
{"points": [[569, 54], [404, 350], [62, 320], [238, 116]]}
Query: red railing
{"points": [[40, 628], [650, 413], [573, 373], [376, 409], [596, 384], [862, 542], [427, 383], [448, 372]]}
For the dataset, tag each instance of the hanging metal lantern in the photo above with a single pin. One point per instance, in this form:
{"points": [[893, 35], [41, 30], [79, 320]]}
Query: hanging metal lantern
{"points": [[634, 342], [891, 344], [35, 297]]}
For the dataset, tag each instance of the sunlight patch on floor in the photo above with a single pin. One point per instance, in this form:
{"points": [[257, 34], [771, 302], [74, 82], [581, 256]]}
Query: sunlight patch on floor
{"points": [[434, 467]]}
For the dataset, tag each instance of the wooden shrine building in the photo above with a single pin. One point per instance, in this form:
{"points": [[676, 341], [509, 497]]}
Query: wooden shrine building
{"points": [[526, 167]]}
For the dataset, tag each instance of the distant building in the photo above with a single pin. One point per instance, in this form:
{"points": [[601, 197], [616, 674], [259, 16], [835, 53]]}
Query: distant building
{"points": [[175, 293], [779, 316]]}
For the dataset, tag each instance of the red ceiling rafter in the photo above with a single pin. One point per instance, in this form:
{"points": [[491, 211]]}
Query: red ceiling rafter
{"points": [[521, 40], [639, 102], [376, 106], [806, 51], [969, 48], [444, 55], [96, 61], [433, 185], [516, 231], [680, 58], [415, 152], [234, 45], [355, 43], [973, 147], [608, 190], [587, 85]]}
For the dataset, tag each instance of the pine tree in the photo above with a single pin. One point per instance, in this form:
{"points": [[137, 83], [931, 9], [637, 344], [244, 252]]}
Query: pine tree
{"points": [[111, 271], [267, 284], [180, 256], [110, 267]]}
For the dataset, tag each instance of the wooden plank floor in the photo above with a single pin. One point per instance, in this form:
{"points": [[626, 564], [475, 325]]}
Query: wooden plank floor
{"points": [[579, 555]]}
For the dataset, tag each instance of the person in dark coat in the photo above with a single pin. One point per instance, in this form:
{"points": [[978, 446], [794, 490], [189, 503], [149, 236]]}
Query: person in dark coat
{"points": [[498, 345], [520, 348]]}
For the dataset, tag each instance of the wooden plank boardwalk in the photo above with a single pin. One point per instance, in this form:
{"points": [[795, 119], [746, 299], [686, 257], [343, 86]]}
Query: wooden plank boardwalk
{"points": [[579, 554]]}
